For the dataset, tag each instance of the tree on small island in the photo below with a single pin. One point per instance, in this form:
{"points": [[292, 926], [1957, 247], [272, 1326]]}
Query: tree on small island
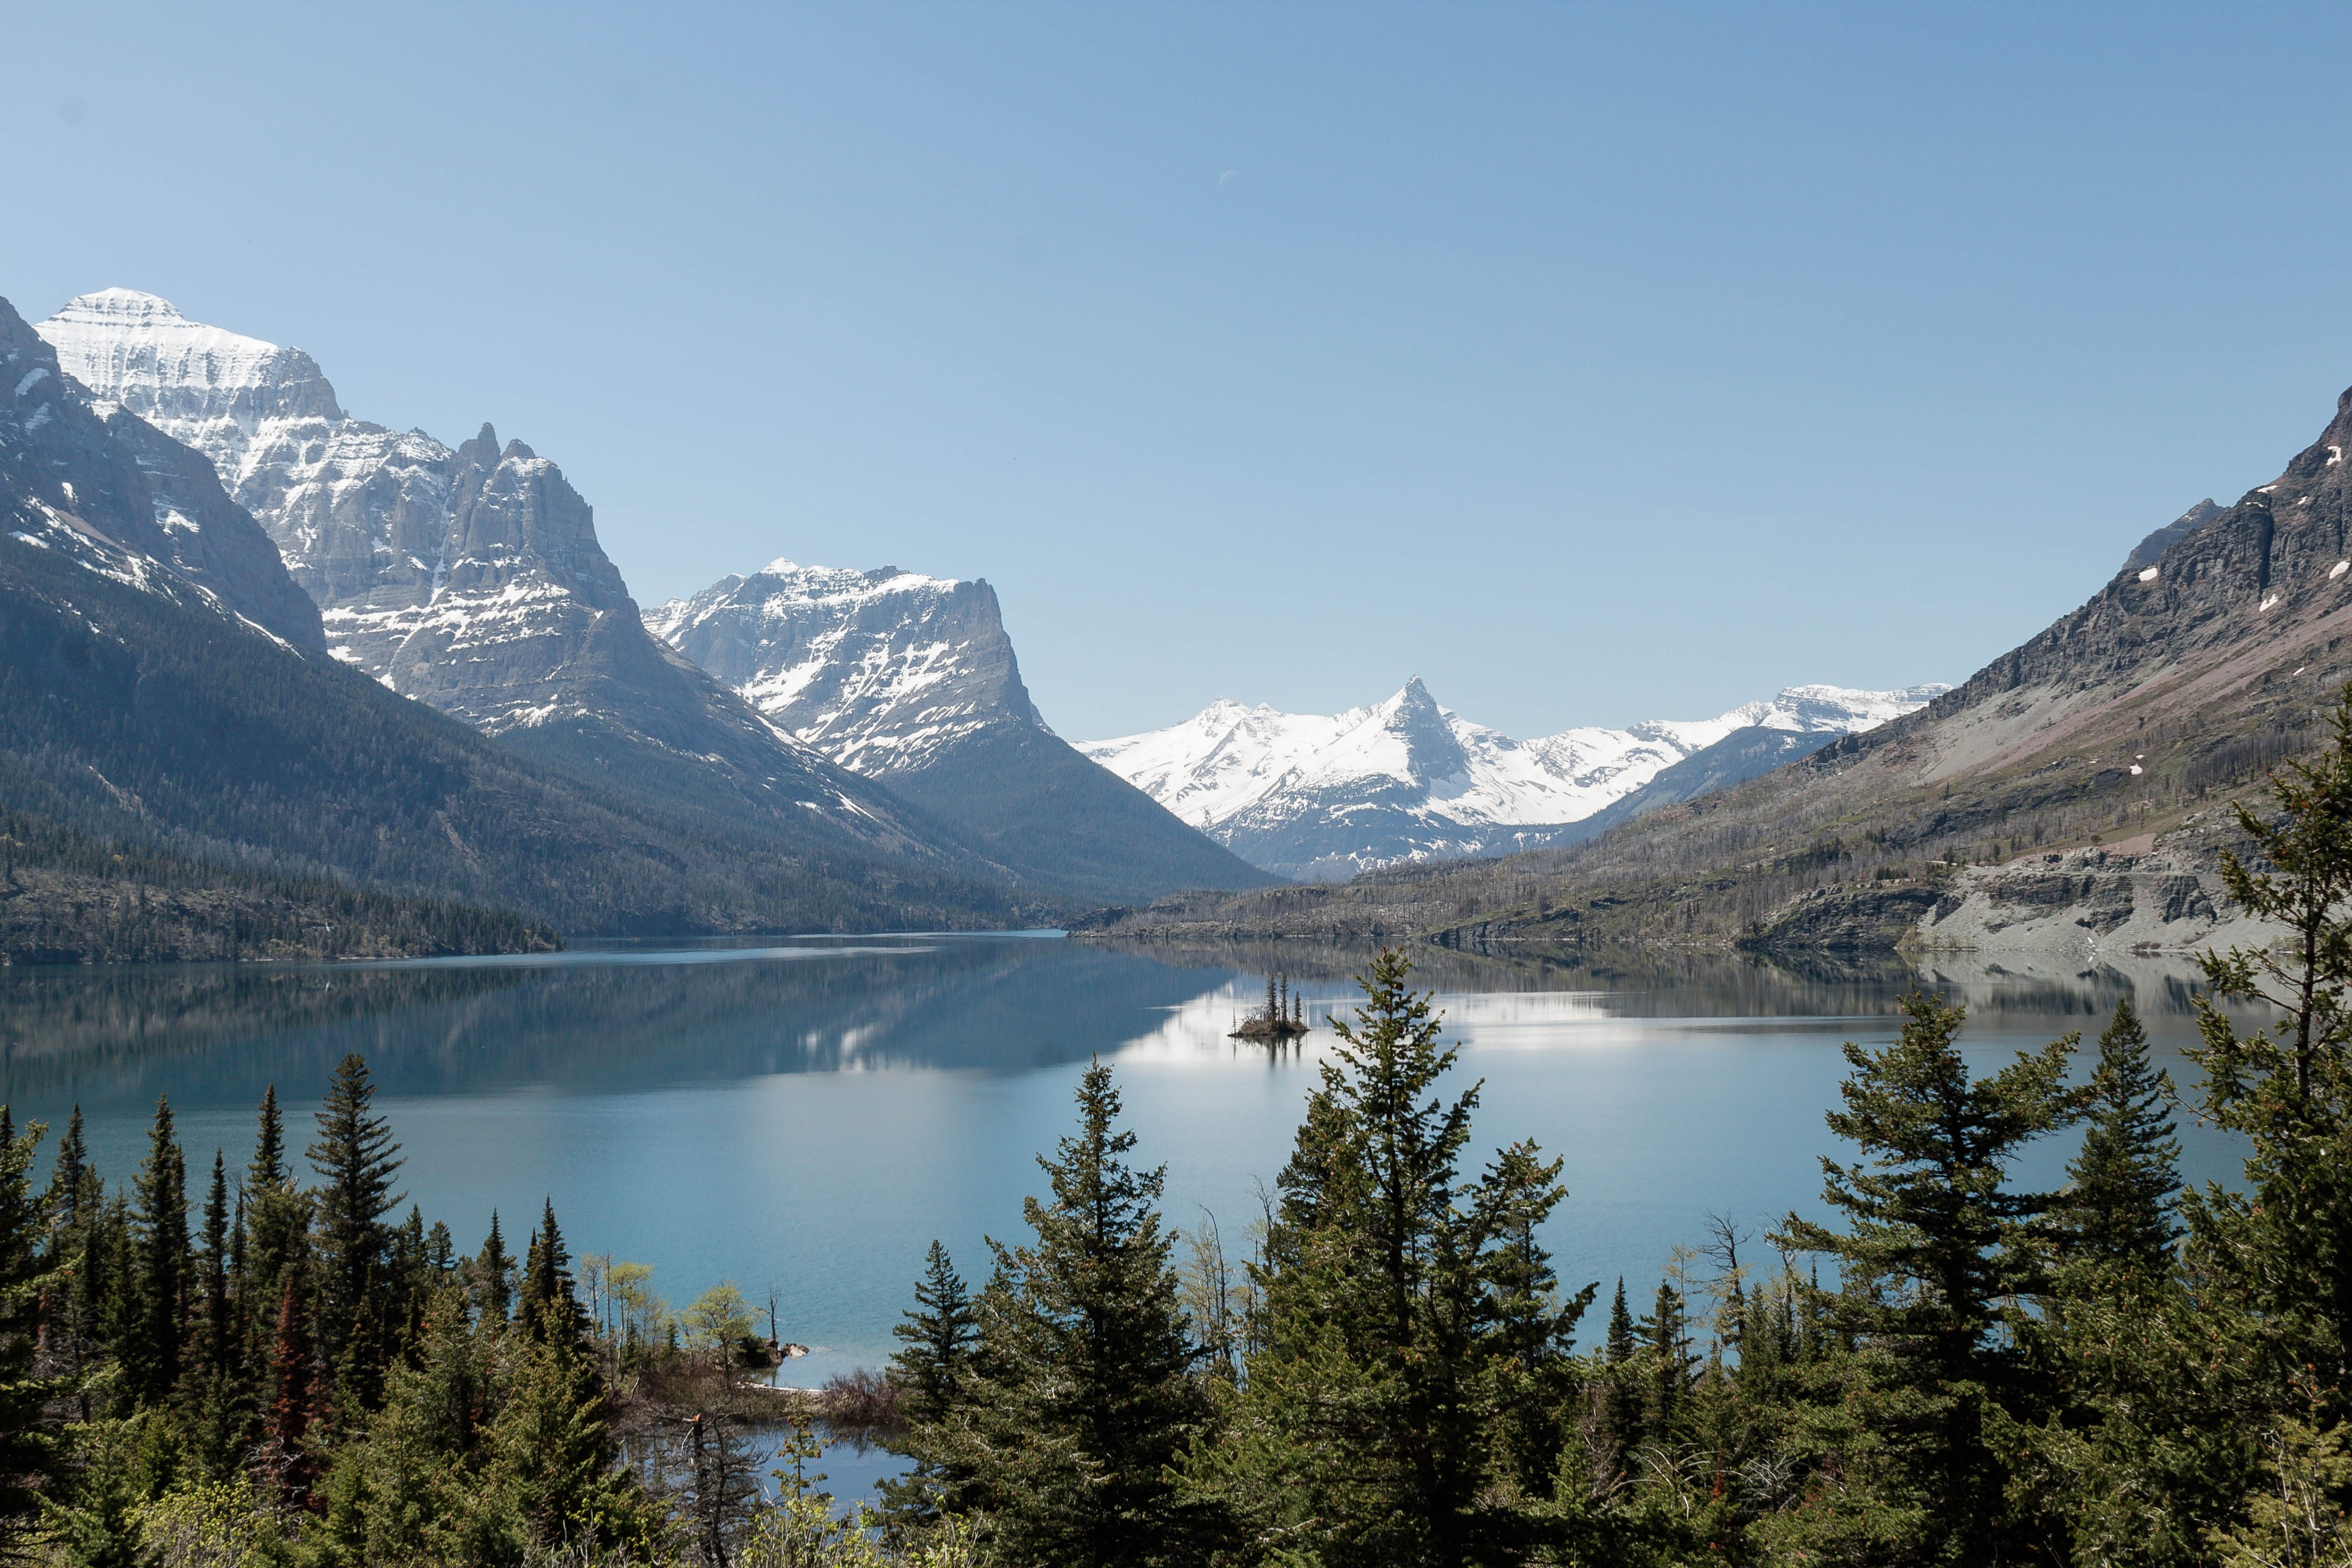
{"points": [[1283, 1018]]}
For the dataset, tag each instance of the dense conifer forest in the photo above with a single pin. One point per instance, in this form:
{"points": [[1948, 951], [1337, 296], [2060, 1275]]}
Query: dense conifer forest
{"points": [[1392, 1369], [67, 897]]}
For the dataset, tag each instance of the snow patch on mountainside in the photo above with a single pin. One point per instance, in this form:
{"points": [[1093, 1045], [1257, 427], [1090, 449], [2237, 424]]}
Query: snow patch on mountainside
{"points": [[1406, 779], [880, 671]]}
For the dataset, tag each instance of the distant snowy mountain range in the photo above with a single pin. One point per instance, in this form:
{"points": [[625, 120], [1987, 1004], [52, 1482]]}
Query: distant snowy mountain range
{"points": [[1321, 797]]}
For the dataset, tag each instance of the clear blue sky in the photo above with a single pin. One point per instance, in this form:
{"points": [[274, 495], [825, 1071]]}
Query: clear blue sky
{"points": [[1595, 364]]}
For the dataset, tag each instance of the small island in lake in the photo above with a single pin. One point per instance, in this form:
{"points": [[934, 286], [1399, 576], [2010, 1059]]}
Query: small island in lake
{"points": [[1283, 1018]]}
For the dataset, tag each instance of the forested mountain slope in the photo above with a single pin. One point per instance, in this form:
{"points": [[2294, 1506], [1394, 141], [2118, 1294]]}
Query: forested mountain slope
{"points": [[2066, 795], [133, 716]]}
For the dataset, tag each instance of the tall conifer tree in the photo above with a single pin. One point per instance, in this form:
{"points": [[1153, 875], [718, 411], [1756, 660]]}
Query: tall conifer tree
{"points": [[1084, 1396], [356, 1160], [1935, 1245], [1393, 1292], [551, 1308], [493, 1271], [933, 1372], [27, 1444], [2118, 1211], [154, 1350]]}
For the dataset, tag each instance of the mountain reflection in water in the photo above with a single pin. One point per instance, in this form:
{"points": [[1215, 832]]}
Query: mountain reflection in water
{"points": [[809, 1113]]}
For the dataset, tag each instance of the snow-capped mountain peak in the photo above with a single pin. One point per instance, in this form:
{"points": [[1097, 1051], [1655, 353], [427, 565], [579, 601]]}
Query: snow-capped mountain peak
{"points": [[1404, 779], [879, 669], [204, 385]]}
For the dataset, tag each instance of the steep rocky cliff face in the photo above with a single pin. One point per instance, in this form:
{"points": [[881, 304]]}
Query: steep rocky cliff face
{"points": [[911, 680], [883, 671], [95, 480], [470, 578]]}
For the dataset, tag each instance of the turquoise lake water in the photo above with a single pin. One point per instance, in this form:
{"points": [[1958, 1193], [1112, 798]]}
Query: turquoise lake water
{"points": [[805, 1115]]}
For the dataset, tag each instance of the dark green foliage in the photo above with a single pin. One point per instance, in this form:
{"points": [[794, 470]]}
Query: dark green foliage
{"points": [[1935, 1245], [268, 1167], [202, 1401], [2271, 1263], [1082, 1394], [356, 1160], [76, 898], [28, 1441], [2118, 1210], [1411, 1347], [154, 1310], [551, 1308], [933, 1372], [493, 1276], [1666, 1341]]}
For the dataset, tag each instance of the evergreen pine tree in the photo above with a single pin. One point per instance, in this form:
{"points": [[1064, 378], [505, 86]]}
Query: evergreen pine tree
{"points": [[550, 1307], [153, 1346], [2270, 1258], [1620, 1345], [552, 1457], [267, 1168], [1669, 1362], [72, 1203], [218, 1345], [356, 1160], [1084, 1396], [412, 1284], [2288, 1090], [72, 1182], [275, 1243], [1386, 1308], [27, 1444], [931, 1371], [1617, 1395], [2118, 1211], [493, 1271], [1936, 1243]]}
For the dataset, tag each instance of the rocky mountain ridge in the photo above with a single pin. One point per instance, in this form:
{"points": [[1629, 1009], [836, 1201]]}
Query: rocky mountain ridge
{"points": [[910, 679], [1326, 796], [92, 479], [880, 671], [2069, 799], [208, 786], [470, 578]]}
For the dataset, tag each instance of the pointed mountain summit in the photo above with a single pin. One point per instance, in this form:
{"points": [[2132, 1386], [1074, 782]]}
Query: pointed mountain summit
{"points": [[468, 578], [911, 680], [1323, 798], [2069, 803], [95, 480]]}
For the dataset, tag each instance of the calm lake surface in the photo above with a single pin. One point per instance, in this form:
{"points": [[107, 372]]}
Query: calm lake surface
{"points": [[806, 1114]]}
